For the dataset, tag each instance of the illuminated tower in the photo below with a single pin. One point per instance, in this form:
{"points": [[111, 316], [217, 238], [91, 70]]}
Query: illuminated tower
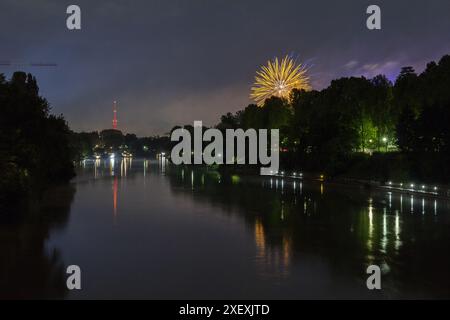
{"points": [[114, 122]]}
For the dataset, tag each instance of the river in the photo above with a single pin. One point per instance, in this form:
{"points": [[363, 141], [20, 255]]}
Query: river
{"points": [[145, 229]]}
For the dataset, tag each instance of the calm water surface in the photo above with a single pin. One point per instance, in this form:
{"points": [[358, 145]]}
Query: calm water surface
{"points": [[140, 229]]}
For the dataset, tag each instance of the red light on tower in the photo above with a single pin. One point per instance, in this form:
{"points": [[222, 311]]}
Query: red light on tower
{"points": [[114, 122]]}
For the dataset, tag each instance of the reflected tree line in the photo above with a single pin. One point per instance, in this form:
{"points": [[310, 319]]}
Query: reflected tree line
{"points": [[30, 269], [291, 221]]}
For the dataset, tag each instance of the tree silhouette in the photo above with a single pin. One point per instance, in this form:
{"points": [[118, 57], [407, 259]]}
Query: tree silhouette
{"points": [[35, 149]]}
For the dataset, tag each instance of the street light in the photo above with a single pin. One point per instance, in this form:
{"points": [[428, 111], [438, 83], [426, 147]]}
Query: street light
{"points": [[385, 140]]}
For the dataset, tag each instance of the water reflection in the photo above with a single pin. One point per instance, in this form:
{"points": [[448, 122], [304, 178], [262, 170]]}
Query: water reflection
{"points": [[115, 190], [376, 235], [271, 261], [29, 269], [267, 237]]}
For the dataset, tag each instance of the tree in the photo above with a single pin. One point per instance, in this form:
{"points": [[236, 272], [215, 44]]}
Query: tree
{"points": [[406, 91], [405, 129], [383, 113], [35, 148], [230, 121], [252, 117]]}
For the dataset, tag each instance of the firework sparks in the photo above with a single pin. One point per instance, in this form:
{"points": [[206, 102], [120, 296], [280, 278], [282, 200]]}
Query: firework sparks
{"points": [[278, 79]]}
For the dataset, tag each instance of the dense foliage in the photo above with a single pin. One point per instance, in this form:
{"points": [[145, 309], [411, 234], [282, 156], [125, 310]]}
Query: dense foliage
{"points": [[34, 145], [344, 127]]}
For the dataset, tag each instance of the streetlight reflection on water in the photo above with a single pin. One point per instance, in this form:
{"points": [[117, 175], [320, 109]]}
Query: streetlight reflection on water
{"points": [[271, 260], [385, 214]]}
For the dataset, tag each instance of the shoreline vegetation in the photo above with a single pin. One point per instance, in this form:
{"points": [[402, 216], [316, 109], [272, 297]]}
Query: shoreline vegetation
{"points": [[425, 190], [356, 129], [362, 128], [34, 144]]}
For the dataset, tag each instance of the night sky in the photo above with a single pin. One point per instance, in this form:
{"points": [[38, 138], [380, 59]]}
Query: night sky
{"points": [[172, 62]]}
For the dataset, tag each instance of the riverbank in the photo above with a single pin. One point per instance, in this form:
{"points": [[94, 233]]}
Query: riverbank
{"points": [[434, 191], [404, 187]]}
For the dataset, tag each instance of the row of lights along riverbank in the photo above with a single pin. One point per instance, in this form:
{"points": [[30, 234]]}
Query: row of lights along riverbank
{"points": [[413, 187]]}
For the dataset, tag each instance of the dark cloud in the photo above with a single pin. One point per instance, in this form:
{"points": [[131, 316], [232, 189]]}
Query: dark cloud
{"points": [[170, 62]]}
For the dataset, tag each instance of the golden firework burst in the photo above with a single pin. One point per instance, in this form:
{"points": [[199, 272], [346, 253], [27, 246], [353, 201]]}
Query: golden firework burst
{"points": [[278, 79]]}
